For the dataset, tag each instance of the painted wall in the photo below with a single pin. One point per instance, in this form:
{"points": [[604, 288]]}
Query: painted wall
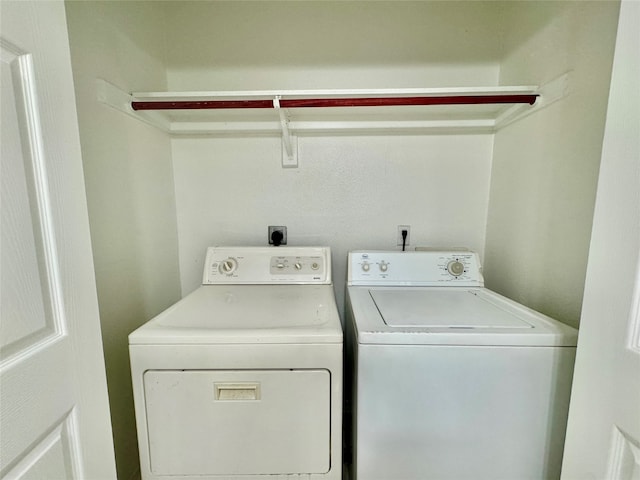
{"points": [[254, 45], [545, 167], [129, 183], [348, 193]]}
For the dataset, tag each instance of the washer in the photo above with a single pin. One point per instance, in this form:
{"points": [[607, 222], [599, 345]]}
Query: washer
{"points": [[242, 379], [451, 380]]}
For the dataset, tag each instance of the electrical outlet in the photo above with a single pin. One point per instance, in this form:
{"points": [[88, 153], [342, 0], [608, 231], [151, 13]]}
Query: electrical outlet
{"points": [[282, 230], [400, 229]]}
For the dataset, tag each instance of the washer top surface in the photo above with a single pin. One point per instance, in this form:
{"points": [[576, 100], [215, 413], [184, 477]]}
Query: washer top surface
{"points": [[450, 316], [423, 298], [253, 295], [443, 308]]}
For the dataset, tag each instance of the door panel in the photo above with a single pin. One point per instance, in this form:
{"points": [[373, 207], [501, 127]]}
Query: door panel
{"points": [[32, 325], [54, 414], [51, 457], [603, 433], [30, 286]]}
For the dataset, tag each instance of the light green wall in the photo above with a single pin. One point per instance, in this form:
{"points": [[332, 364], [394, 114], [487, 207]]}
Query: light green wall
{"points": [[129, 182], [545, 167], [262, 45]]}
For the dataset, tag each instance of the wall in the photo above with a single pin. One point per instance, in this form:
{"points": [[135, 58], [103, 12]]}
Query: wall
{"points": [[254, 45], [545, 167], [349, 192], [129, 185]]}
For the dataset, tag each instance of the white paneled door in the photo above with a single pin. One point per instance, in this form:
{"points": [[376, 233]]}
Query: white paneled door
{"points": [[54, 414], [603, 434]]}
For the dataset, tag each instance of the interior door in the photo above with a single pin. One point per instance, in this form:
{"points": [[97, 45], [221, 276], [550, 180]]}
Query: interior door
{"points": [[54, 416], [603, 433]]}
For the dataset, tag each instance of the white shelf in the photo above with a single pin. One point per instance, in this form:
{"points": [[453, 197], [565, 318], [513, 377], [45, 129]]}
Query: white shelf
{"points": [[291, 122]]}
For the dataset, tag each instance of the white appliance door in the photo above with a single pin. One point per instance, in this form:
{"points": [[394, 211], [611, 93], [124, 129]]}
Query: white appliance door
{"points": [[238, 422], [54, 414], [603, 434]]}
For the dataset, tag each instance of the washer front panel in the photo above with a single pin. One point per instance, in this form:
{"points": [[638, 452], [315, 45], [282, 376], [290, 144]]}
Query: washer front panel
{"points": [[461, 412]]}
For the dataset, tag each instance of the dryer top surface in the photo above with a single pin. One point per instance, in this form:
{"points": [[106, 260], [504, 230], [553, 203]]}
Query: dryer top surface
{"points": [[247, 314]]}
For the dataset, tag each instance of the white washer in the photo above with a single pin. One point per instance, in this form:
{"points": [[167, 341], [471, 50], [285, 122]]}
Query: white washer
{"points": [[242, 379], [451, 380]]}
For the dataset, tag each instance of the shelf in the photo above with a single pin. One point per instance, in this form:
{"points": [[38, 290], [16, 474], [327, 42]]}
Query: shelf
{"points": [[297, 112]]}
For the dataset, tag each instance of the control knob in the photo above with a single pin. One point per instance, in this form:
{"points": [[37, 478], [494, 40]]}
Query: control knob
{"points": [[228, 266], [384, 266], [455, 268], [365, 266]]}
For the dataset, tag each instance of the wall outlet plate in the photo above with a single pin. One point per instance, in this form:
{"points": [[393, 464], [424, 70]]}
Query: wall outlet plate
{"points": [[281, 229]]}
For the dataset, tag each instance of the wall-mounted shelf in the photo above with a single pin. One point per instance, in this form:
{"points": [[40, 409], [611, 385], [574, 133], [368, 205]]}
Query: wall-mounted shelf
{"points": [[290, 113]]}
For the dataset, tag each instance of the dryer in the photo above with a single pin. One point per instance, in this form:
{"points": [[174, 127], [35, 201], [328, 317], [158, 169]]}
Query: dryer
{"points": [[242, 379], [451, 380]]}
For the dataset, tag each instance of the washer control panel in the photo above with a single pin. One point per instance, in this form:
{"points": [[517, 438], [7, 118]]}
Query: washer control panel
{"points": [[420, 268], [267, 265]]}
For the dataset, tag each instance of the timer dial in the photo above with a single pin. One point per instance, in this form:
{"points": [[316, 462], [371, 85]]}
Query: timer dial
{"points": [[455, 268], [228, 266]]}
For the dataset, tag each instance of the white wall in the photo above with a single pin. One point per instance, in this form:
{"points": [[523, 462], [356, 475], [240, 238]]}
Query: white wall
{"points": [[331, 44], [545, 167], [348, 193], [129, 185]]}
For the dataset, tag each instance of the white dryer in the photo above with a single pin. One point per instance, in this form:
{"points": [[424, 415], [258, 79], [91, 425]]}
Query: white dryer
{"points": [[242, 379], [451, 380]]}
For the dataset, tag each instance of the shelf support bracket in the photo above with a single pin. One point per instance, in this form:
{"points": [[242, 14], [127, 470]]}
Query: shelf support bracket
{"points": [[289, 141], [114, 97], [549, 93]]}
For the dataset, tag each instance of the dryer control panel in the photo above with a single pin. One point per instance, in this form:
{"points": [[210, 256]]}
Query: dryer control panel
{"points": [[267, 265], [418, 268]]}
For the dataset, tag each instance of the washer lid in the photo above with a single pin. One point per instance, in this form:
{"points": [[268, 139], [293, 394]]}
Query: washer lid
{"points": [[247, 314], [453, 308], [449, 316]]}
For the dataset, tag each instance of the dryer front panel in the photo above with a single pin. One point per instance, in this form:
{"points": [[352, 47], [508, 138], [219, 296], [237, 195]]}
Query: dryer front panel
{"points": [[238, 422]]}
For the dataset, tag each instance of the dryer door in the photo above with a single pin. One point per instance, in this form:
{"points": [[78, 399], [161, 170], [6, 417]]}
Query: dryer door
{"points": [[245, 422]]}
